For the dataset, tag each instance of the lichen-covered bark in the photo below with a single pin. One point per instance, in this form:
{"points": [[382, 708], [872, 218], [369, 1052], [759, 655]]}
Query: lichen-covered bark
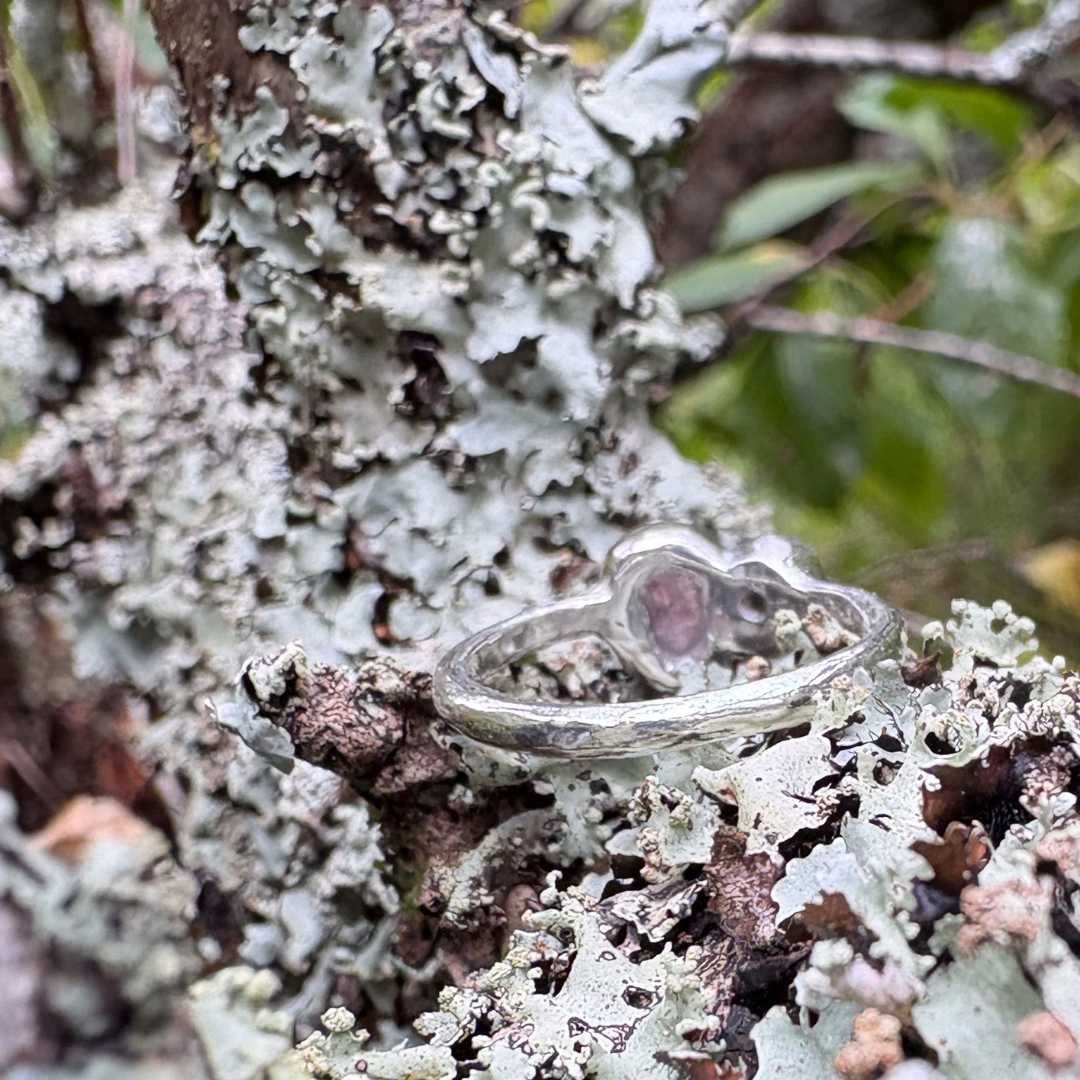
{"points": [[448, 264], [443, 414], [402, 391]]}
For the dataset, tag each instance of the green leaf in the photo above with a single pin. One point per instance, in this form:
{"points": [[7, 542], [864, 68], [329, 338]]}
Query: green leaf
{"points": [[905, 439], [925, 111], [998, 116], [986, 289], [870, 104], [1048, 190], [784, 404], [723, 279], [782, 201]]}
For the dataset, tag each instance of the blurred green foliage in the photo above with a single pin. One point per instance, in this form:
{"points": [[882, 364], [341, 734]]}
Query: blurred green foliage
{"points": [[970, 205]]}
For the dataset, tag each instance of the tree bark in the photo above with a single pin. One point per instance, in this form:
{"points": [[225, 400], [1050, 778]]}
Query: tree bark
{"points": [[438, 412], [406, 395]]}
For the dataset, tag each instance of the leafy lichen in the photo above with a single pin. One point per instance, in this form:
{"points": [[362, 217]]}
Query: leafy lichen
{"points": [[953, 938], [443, 247]]}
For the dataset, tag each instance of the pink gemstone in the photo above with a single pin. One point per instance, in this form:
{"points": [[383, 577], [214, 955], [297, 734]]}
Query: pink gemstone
{"points": [[676, 603]]}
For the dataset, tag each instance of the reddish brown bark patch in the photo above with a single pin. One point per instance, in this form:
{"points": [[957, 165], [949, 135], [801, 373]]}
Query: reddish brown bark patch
{"points": [[201, 39]]}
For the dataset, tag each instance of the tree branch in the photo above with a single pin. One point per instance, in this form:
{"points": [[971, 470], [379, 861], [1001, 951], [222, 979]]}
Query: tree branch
{"points": [[859, 54], [93, 62], [1015, 63], [842, 234], [876, 332], [1058, 30], [23, 173], [126, 149]]}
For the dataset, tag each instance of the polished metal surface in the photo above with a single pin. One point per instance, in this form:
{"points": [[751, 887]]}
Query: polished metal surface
{"points": [[668, 593]]}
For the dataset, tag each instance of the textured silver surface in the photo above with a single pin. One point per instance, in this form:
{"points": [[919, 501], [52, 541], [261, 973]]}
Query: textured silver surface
{"points": [[741, 593]]}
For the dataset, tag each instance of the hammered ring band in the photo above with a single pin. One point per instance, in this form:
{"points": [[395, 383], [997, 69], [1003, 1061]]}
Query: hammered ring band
{"points": [[668, 593]]}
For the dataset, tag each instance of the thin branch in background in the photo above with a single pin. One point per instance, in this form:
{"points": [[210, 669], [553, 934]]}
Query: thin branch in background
{"points": [[841, 235], [1014, 64], [848, 231], [861, 54], [126, 159], [972, 549], [911, 297], [869, 331], [1058, 30], [102, 97], [23, 172]]}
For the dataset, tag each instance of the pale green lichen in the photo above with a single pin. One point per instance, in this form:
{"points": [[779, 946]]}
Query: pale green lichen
{"points": [[125, 907], [239, 1032], [788, 1051], [985, 987], [448, 407], [775, 790], [958, 999]]}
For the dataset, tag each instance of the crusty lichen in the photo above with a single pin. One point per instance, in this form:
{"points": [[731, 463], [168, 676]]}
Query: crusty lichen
{"points": [[448, 266], [956, 938], [120, 906], [441, 240]]}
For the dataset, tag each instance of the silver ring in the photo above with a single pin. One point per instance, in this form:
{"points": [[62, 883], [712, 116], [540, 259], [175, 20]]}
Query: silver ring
{"points": [[667, 593]]}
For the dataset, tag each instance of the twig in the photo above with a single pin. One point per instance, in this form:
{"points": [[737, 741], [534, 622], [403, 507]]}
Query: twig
{"points": [[1014, 64], [1057, 31], [126, 160], [841, 235], [97, 77], [23, 172], [974, 549], [876, 332], [857, 54], [907, 300], [847, 232]]}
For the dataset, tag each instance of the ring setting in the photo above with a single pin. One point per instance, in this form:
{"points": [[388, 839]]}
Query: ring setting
{"points": [[668, 597]]}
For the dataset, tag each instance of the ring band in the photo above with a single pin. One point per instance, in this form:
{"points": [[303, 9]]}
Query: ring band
{"points": [[667, 593]]}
